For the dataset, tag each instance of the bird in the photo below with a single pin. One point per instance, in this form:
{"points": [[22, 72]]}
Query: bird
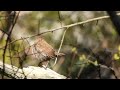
{"points": [[41, 51]]}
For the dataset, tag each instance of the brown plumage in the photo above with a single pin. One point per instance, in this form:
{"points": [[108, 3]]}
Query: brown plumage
{"points": [[41, 51]]}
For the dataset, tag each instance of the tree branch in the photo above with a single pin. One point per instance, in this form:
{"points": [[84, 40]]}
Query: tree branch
{"points": [[66, 26], [7, 40], [30, 72]]}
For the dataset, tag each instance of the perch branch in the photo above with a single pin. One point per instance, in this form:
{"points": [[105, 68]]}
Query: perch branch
{"points": [[30, 72]]}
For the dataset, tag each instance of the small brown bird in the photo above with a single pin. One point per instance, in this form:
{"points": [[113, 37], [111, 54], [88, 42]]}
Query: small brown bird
{"points": [[41, 51]]}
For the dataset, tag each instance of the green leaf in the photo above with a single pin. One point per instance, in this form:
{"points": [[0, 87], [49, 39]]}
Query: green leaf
{"points": [[96, 63], [116, 57]]}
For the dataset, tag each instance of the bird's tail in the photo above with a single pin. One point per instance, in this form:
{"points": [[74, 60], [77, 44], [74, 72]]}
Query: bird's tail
{"points": [[59, 54]]}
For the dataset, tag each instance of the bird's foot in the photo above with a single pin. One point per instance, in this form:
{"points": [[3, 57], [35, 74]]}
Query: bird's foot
{"points": [[45, 67]]}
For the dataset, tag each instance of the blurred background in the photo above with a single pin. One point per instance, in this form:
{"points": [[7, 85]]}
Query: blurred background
{"points": [[79, 43]]}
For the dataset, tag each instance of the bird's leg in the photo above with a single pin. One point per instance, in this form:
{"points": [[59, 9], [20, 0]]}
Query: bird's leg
{"points": [[42, 65], [47, 64]]}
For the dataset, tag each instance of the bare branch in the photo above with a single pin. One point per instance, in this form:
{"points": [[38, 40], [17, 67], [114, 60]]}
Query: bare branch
{"points": [[7, 40], [60, 45], [66, 26]]}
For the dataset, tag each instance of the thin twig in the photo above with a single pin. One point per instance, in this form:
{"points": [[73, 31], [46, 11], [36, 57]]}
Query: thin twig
{"points": [[71, 63], [67, 26], [60, 45], [60, 19], [80, 71], [39, 22], [7, 40], [113, 72], [99, 71], [59, 16], [11, 62], [22, 62]]}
